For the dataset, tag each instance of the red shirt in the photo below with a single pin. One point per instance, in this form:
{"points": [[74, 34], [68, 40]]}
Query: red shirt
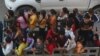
{"points": [[97, 42], [51, 35], [52, 45]]}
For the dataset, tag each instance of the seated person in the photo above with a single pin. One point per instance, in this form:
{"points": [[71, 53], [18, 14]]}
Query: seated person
{"points": [[70, 43], [8, 46], [30, 42], [38, 47], [62, 38], [21, 47], [96, 40], [79, 47]]}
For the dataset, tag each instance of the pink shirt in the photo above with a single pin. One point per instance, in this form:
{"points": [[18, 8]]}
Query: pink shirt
{"points": [[22, 22]]}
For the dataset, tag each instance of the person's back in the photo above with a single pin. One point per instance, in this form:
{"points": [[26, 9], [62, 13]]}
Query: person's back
{"points": [[30, 42], [19, 50], [8, 46]]}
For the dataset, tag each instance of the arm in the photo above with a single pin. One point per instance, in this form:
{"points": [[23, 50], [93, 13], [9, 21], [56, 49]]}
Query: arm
{"points": [[72, 36], [30, 46], [17, 33]]}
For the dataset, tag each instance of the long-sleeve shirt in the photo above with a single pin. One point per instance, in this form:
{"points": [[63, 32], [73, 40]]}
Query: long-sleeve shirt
{"points": [[30, 42], [8, 48], [20, 49]]}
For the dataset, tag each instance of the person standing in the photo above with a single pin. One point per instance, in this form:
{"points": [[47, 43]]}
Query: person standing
{"points": [[9, 17], [32, 19], [42, 23], [7, 47], [53, 18], [23, 23]]}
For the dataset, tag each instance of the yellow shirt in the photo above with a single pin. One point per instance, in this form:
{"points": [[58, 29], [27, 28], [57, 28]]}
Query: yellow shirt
{"points": [[32, 21], [20, 49], [42, 23]]}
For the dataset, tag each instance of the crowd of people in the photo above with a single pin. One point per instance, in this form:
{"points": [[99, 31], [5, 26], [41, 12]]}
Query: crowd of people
{"points": [[62, 30]]}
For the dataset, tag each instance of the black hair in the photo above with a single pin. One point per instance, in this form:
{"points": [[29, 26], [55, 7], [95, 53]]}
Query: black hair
{"points": [[90, 11], [34, 10], [75, 10], [97, 36], [22, 39], [43, 13], [30, 34], [8, 39], [62, 31], [65, 10], [11, 12], [71, 17], [87, 16], [21, 13], [53, 12], [69, 23]]}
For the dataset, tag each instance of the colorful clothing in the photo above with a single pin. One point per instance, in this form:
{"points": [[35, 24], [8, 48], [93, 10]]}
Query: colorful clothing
{"points": [[20, 49], [32, 21]]}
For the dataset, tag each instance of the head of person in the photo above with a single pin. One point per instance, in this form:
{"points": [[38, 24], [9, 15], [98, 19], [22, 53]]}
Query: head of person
{"points": [[7, 30], [64, 11], [10, 13], [90, 11], [79, 44], [68, 25], [30, 34], [42, 14], [8, 40], [21, 13], [71, 16], [87, 18], [75, 11], [52, 12], [39, 41], [32, 11], [62, 33], [96, 37], [22, 39]]}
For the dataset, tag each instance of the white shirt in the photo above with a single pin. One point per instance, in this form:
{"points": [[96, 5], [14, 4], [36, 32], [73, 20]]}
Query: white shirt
{"points": [[69, 32], [8, 48], [70, 43]]}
